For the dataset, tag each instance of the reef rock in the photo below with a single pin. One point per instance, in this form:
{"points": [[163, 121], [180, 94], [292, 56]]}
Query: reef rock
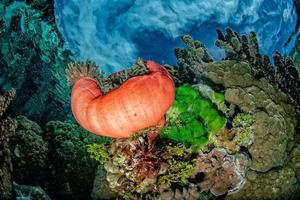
{"points": [[275, 118]]}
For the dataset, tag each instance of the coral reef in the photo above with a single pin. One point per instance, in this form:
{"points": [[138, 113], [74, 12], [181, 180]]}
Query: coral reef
{"points": [[181, 164], [268, 104], [263, 103], [182, 119], [33, 58], [29, 152], [245, 48], [7, 128], [295, 160], [186, 193], [146, 166]]}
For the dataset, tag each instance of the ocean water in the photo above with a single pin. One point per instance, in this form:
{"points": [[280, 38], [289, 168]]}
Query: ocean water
{"points": [[188, 120], [115, 33]]}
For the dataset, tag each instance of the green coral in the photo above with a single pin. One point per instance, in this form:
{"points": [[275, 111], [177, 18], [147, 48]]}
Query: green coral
{"points": [[178, 172], [98, 152], [181, 165], [191, 118], [244, 123]]}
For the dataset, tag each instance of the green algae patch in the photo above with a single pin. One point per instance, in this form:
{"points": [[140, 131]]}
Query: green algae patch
{"points": [[192, 117]]}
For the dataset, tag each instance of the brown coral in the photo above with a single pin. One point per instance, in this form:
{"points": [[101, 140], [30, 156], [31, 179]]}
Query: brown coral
{"points": [[217, 172]]}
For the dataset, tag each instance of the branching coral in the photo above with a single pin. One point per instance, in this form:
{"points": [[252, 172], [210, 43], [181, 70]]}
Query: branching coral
{"points": [[192, 59], [245, 48], [98, 152], [191, 118], [180, 167], [262, 101]]}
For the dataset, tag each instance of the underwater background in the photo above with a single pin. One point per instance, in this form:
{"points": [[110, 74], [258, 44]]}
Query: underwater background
{"points": [[230, 132]]}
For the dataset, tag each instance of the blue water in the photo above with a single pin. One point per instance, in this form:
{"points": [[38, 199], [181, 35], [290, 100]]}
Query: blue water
{"points": [[115, 32]]}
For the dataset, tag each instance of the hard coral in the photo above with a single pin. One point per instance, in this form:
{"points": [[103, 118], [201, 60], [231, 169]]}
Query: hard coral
{"points": [[275, 184], [253, 88], [245, 48], [218, 171]]}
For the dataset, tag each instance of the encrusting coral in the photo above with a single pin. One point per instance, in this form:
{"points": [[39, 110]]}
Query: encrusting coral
{"points": [[7, 128]]}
